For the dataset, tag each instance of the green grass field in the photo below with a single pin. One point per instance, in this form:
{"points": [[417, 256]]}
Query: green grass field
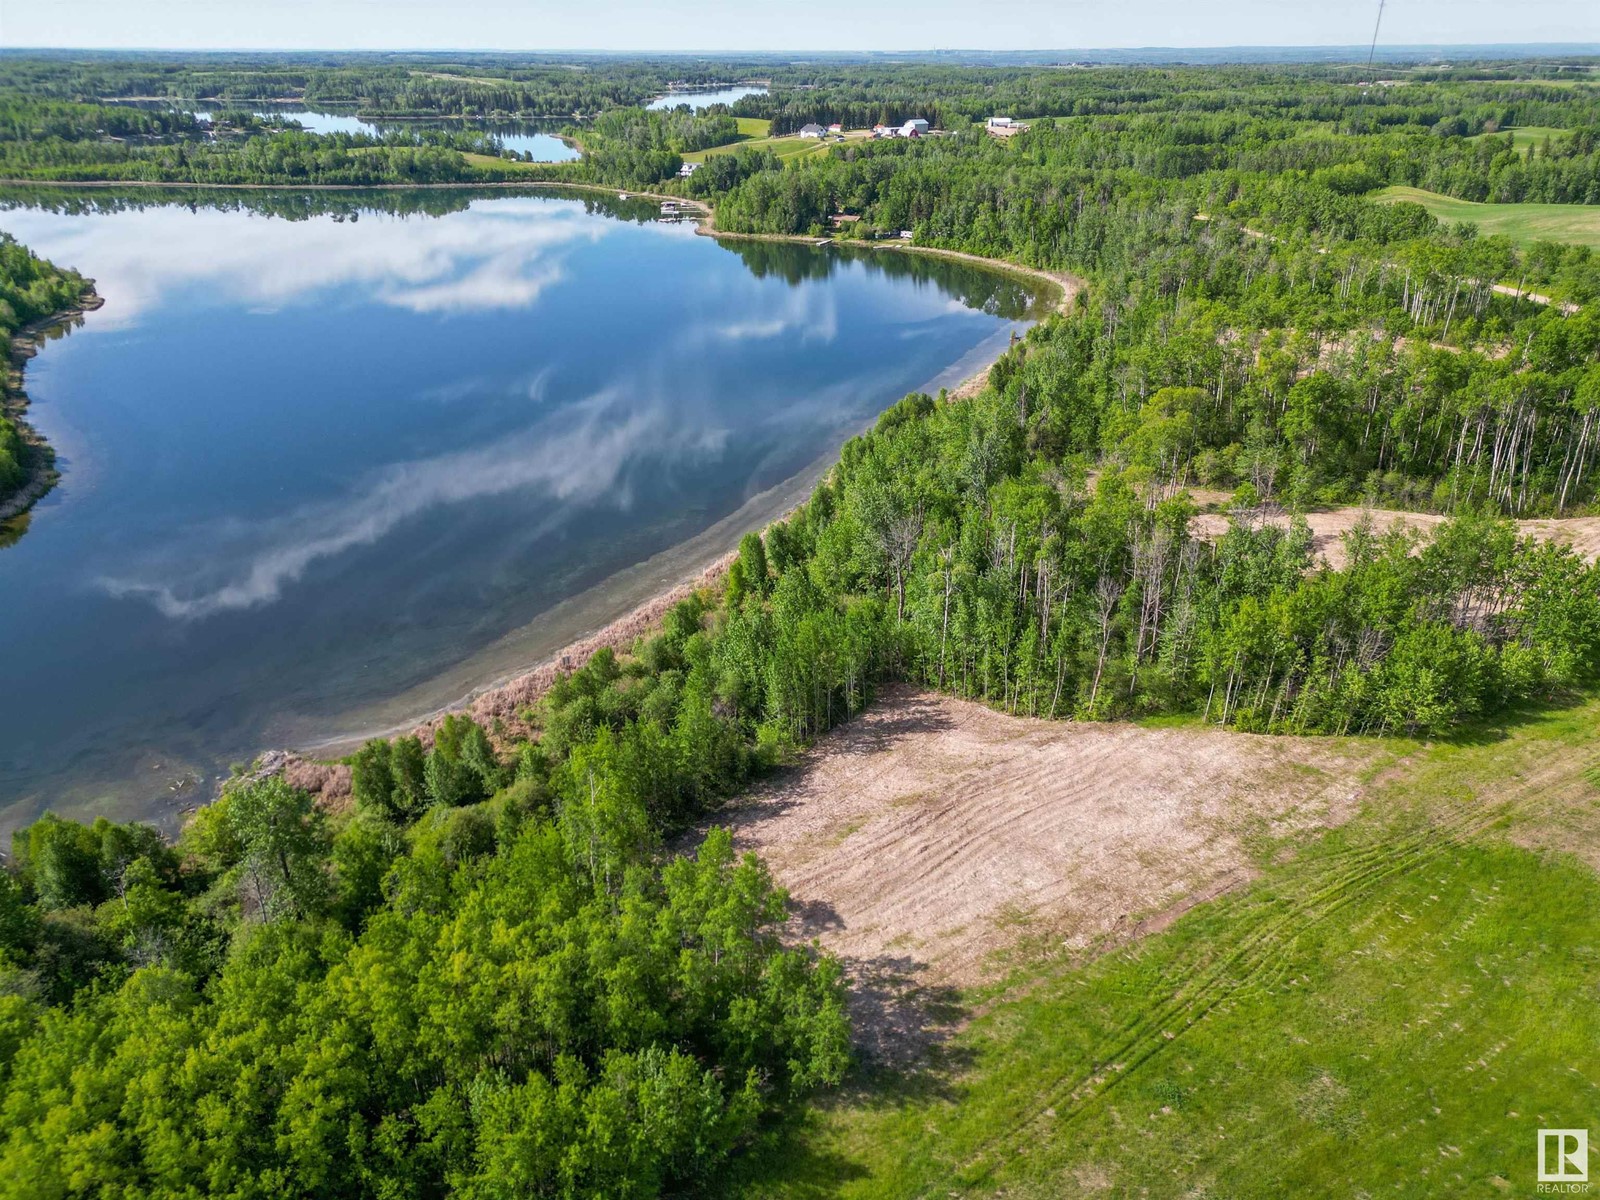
{"points": [[1522, 223], [1394, 1008], [490, 160], [1523, 136], [753, 134]]}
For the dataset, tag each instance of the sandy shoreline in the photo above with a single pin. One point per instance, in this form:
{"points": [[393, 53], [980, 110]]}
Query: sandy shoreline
{"points": [[576, 628], [1067, 287]]}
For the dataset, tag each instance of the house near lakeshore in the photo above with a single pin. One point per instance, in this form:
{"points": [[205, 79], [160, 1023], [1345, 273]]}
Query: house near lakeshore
{"points": [[812, 131], [688, 169]]}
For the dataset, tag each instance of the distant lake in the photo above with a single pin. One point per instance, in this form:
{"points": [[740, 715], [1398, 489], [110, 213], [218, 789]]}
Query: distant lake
{"points": [[699, 100], [520, 136], [321, 450], [524, 137]]}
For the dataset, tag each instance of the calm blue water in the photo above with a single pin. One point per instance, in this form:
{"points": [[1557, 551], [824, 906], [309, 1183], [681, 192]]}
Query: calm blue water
{"points": [[699, 100], [312, 463], [527, 139], [312, 122], [322, 122], [521, 136]]}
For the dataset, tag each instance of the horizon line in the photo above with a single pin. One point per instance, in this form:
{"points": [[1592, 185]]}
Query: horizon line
{"points": [[1590, 46]]}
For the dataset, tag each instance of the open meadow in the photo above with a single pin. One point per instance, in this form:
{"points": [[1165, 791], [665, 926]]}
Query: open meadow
{"points": [[753, 136], [1524, 224]]}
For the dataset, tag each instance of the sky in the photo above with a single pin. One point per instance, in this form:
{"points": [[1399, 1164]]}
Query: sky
{"points": [[759, 25]]}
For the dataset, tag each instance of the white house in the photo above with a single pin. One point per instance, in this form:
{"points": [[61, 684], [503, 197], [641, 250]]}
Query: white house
{"points": [[836, 128], [916, 127], [812, 131], [687, 170], [999, 122]]}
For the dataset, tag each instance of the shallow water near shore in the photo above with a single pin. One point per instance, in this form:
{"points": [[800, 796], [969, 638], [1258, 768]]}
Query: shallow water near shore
{"points": [[329, 462]]}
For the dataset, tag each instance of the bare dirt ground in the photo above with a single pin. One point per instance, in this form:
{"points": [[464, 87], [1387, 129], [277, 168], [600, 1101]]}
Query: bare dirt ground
{"points": [[932, 841], [1329, 527]]}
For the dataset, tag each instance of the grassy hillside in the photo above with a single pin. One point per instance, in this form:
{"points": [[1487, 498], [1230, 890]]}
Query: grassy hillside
{"points": [[1522, 223], [1394, 1008], [1523, 136], [753, 135]]}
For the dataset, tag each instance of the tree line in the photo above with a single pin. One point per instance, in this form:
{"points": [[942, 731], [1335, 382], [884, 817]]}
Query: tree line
{"points": [[488, 978], [31, 289]]}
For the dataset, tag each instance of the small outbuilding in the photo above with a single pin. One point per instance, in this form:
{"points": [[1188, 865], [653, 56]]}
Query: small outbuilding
{"points": [[1004, 127]]}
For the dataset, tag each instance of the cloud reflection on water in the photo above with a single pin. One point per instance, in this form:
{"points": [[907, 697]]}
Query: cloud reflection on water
{"points": [[582, 458], [499, 255], [495, 255]]}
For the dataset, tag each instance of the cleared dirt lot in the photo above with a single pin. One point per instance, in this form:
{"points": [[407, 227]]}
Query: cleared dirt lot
{"points": [[931, 839], [1329, 527]]}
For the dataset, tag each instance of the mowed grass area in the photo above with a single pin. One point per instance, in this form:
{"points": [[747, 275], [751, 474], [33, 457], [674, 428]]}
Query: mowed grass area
{"points": [[753, 127], [1522, 223], [1523, 136], [1392, 1009], [786, 147], [509, 164]]}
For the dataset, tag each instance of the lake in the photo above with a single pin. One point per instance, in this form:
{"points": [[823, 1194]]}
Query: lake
{"points": [[531, 138], [705, 99], [323, 450]]}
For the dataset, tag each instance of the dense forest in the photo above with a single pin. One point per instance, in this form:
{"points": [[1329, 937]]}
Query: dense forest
{"points": [[1444, 135], [63, 141], [395, 85], [498, 972]]}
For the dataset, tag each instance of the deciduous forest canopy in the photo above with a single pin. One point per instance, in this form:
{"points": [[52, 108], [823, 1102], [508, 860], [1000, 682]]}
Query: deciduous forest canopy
{"points": [[500, 973]]}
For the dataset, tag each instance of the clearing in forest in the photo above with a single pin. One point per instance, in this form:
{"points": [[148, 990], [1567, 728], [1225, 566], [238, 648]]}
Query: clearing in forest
{"points": [[1523, 136], [1328, 527], [753, 135], [1392, 1007], [933, 842], [1522, 223]]}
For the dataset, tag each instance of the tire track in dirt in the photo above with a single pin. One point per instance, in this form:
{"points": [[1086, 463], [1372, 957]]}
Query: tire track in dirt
{"points": [[936, 836]]}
